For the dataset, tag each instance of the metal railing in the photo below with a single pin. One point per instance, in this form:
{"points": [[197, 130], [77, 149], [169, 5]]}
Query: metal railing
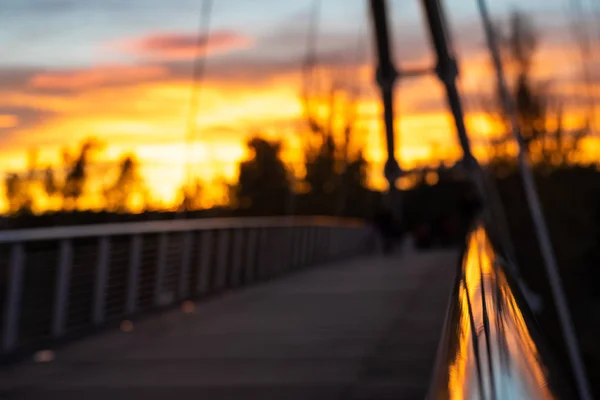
{"points": [[63, 280], [491, 347]]}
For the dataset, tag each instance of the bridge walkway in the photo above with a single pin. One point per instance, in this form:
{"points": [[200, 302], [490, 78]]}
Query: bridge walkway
{"points": [[361, 329]]}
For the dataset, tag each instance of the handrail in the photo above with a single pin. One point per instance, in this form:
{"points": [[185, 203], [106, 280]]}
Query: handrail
{"points": [[130, 228], [53, 284], [491, 347]]}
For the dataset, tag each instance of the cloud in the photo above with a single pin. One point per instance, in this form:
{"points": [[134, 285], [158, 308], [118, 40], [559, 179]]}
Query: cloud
{"points": [[8, 121], [16, 78], [77, 79], [257, 69], [15, 119], [182, 46]]}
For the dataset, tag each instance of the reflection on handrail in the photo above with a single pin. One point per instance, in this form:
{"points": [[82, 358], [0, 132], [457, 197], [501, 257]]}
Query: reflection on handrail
{"points": [[489, 349]]}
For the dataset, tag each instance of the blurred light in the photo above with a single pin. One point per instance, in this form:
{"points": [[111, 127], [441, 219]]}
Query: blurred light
{"points": [[127, 326], [43, 356], [188, 307], [406, 182], [432, 178]]}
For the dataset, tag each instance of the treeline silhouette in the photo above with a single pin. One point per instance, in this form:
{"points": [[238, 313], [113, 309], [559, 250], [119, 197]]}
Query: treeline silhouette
{"points": [[64, 186]]}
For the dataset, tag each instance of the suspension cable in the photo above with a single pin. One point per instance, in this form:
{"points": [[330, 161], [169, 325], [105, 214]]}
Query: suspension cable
{"points": [[535, 208], [307, 80], [351, 118], [310, 60], [386, 76], [198, 68]]}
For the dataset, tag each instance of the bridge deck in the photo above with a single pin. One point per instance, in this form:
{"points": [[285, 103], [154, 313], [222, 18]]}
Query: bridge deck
{"points": [[362, 329]]}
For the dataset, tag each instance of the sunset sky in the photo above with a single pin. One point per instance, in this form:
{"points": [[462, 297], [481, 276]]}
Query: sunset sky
{"points": [[120, 71]]}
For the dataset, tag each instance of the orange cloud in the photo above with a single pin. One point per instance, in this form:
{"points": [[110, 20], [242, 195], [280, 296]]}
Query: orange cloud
{"points": [[97, 76], [8, 121], [179, 46]]}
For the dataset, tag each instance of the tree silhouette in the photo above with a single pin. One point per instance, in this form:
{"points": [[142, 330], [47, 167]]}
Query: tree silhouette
{"points": [[18, 194], [120, 195], [331, 167], [77, 174], [20, 188], [263, 187], [358, 200], [535, 108], [51, 186], [192, 197], [321, 177]]}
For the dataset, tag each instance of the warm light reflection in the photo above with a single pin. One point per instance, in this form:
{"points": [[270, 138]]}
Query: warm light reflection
{"points": [[516, 363], [458, 372]]}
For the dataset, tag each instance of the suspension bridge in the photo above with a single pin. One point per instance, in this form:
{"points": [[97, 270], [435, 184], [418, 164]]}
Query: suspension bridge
{"points": [[284, 307]]}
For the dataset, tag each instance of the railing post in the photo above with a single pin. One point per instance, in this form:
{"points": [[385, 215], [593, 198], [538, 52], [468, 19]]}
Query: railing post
{"points": [[161, 263], [312, 235], [268, 249], [295, 252], [292, 239], [308, 245], [184, 277], [305, 243], [203, 266], [289, 248], [260, 267], [221, 272], [61, 294], [300, 245], [311, 244], [346, 242], [331, 242], [101, 279], [275, 247], [296, 243], [236, 267], [134, 276], [322, 244], [360, 240], [13, 297], [221, 267], [250, 268], [341, 238], [280, 250], [317, 244]]}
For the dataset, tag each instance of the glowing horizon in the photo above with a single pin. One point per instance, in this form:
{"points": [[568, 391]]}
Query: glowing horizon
{"points": [[130, 88]]}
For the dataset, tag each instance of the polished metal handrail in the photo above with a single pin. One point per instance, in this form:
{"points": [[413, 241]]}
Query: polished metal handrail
{"points": [[491, 347]]}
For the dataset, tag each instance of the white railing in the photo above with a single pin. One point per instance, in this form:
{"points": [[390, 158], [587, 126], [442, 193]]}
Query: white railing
{"points": [[62, 280]]}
